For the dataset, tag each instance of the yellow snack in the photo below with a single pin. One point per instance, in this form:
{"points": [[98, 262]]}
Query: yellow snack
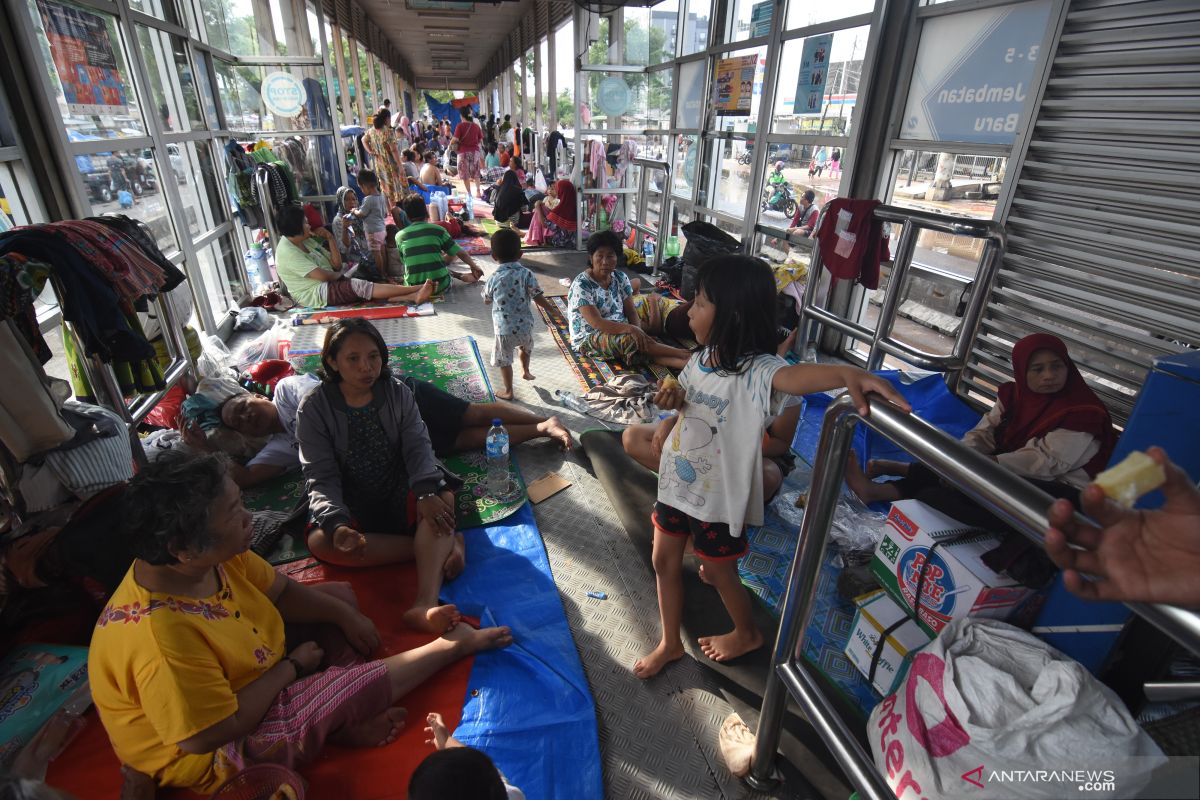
{"points": [[802, 500], [669, 382], [1136, 475]]}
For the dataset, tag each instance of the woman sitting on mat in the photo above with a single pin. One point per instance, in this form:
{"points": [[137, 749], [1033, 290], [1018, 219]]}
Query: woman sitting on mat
{"points": [[602, 318], [312, 273], [557, 221], [1047, 426], [206, 660], [376, 492]]}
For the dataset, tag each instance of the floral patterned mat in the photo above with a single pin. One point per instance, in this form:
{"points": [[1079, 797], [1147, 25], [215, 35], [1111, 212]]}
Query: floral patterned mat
{"points": [[455, 367]]}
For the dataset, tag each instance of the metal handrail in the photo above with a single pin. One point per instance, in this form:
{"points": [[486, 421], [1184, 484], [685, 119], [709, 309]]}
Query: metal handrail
{"points": [[881, 339], [1018, 502], [647, 165]]}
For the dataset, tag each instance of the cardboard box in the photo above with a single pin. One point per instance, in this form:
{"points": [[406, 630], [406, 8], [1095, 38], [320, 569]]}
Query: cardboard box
{"points": [[877, 613], [957, 582]]}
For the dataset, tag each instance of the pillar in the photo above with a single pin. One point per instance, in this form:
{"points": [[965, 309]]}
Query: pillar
{"points": [[339, 59], [356, 70], [551, 84]]}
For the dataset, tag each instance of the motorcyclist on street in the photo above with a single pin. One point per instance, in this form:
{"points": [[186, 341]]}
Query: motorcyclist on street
{"points": [[776, 180]]}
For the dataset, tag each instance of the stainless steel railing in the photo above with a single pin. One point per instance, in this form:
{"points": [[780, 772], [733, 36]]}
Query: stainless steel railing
{"points": [[1012, 498], [647, 168], [881, 339]]}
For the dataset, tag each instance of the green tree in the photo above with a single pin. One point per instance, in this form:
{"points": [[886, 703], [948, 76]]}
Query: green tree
{"points": [[566, 109]]}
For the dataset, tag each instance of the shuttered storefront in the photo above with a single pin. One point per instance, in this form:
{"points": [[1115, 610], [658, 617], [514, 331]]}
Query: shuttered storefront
{"points": [[1104, 228]]}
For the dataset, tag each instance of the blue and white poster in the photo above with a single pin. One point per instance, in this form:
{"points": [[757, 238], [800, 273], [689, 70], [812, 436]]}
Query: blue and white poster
{"points": [[760, 18], [973, 74], [814, 71]]}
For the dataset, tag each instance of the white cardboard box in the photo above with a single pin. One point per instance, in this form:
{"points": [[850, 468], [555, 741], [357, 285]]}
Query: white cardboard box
{"points": [[876, 613], [957, 582]]}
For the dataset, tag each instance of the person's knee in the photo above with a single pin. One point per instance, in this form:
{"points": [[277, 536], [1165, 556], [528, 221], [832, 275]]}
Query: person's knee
{"points": [[720, 572], [666, 561], [772, 478], [320, 544]]}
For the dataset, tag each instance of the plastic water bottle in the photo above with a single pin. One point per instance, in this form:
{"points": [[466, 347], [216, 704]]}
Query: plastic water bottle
{"points": [[496, 445], [256, 266], [470, 207], [572, 401], [648, 249]]}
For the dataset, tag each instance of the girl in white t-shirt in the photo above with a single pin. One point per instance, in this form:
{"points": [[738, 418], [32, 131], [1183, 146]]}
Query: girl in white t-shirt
{"points": [[710, 482]]}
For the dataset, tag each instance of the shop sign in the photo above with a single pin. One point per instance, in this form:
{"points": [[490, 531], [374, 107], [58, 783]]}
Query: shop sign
{"points": [[283, 94], [691, 95], [733, 85], [814, 72], [973, 74], [85, 60]]}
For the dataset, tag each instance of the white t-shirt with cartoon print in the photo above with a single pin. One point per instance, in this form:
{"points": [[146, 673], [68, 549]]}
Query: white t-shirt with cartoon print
{"points": [[710, 467]]}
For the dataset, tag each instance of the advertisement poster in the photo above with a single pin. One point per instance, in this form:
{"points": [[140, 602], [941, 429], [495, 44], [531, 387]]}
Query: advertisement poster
{"points": [[814, 71], [973, 75], [733, 86], [760, 18], [691, 94], [85, 59]]}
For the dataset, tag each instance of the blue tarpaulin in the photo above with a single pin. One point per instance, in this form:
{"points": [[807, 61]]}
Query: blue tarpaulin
{"points": [[529, 706], [446, 110]]}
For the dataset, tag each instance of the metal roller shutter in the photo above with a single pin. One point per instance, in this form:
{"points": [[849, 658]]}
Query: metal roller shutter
{"points": [[1104, 228]]}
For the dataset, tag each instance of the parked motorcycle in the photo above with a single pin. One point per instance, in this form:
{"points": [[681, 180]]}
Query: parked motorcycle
{"points": [[779, 197], [745, 157]]}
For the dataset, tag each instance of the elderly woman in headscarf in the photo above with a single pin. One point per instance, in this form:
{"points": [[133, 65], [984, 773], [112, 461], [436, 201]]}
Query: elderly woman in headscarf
{"points": [[350, 239], [556, 222]]}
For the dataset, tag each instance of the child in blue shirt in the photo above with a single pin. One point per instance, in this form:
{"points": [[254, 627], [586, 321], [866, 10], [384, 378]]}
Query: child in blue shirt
{"points": [[509, 290]]}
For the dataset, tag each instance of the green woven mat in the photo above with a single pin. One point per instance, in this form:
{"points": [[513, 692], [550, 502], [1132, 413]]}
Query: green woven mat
{"points": [[280, 494], [455, 367]]}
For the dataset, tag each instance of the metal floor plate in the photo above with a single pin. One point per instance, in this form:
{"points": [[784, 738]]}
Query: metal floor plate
{"points": [[658, 738]]}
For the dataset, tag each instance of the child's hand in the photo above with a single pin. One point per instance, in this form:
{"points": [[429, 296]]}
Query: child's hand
{"points": [[349, 541], [658, 440], [859, 382], [669, 396]]}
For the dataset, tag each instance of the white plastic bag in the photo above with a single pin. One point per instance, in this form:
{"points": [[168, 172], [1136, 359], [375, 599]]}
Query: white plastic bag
{"points": [[539, 182], [990, 711]]}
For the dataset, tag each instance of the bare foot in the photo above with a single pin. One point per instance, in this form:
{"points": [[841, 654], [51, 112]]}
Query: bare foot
{"points": [[505, 394], [425, 293], [453, 566], [434, 619], [136, 785], [529, 376], [381, 729], [650, 665], [435, 727], [471, 640], [554, 428], [867, 490], [879, 467], [731, 645]]}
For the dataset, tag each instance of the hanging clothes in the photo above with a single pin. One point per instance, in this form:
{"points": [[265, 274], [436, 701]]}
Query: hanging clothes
{"points": [[21, 281], [852, 242]]}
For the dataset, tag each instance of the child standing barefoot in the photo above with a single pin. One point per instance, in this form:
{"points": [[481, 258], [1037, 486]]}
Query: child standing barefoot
{"points": [[509, 290], [456, 771], [710, 485]]}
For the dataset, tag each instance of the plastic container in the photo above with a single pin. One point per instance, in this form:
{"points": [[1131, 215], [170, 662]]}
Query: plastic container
{"points": [[499, 484], [256, 266], [470, 207], [572, 401], [648, 249]]}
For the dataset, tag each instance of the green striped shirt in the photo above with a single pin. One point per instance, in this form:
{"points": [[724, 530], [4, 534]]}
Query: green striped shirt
{"points": [[422, 245]]}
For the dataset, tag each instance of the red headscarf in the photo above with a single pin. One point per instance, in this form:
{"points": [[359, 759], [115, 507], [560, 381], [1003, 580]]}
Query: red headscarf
{"points": [[566, 214], [1075, 407]]}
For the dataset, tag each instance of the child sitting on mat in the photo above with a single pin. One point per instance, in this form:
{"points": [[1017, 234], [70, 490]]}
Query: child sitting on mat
{"points": [[457, 772], [425, 247], [509, 290], [710, 486], [376, 492]]}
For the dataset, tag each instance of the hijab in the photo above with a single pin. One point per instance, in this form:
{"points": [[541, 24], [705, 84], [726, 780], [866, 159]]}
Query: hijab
{"points": [[1075, 407], [566, 214], [341, 199], [509, 197]]}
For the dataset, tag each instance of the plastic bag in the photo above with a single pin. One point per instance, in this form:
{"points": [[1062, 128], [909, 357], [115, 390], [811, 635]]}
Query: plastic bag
{"points": [[265, 347], [986, 706], [215, 358], [705, 240], [539, 182], [252, 318]]}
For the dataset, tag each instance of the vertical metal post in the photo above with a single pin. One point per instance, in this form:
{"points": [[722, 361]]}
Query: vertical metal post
{"points": [[895, 290], [828, 470], [805, 323]]}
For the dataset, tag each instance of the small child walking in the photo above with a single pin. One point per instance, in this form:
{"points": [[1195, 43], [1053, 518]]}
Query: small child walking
{"points": [[710, 484], [373, 212], [509, 290]]}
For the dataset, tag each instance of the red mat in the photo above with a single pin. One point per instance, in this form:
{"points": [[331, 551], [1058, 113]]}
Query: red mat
{"points": [[89, 768], [386, 311]]}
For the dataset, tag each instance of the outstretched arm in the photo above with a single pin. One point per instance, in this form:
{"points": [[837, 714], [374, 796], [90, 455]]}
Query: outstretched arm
{"points": [[1134, 555], [809, 378]]}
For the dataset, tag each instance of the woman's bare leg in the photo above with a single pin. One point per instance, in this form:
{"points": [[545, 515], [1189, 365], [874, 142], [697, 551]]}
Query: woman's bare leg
{"points": [[413, 294], [522, 426], [867, 490], [408, 670], [431, 550], [674, 357], [381, 548], [878, 467], [636, 440]]}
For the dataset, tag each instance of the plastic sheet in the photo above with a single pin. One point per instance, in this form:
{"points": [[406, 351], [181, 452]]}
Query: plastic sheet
{"points": [[529, 707]]}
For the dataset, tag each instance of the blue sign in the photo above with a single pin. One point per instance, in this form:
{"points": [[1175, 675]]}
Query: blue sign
{"points": [[814, 71], [283, 94], [760, 18], [973, 74]]}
